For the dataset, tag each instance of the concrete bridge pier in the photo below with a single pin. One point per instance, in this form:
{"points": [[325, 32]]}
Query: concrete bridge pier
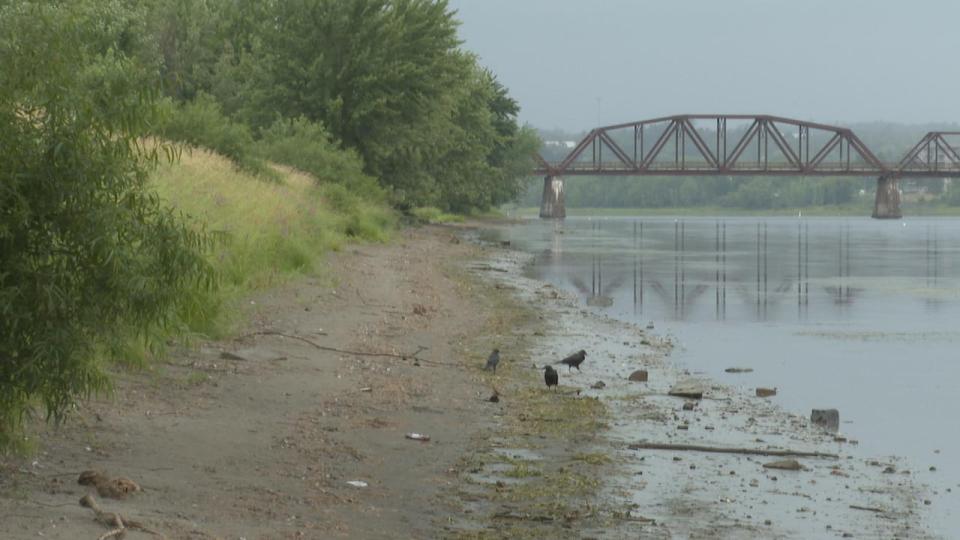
{"points": [[887, 203], [552, 205]]}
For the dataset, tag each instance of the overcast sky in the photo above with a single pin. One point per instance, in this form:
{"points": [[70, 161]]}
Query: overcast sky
{"points": [[574, 64]]}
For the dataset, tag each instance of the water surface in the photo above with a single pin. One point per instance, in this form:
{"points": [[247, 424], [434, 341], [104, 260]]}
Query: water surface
{"points": [[852, 313]]}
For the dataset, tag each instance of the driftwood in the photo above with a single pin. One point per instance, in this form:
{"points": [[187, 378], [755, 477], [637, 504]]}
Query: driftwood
{"points": [[868, 508], [408, 356], [523, 517], [116, 522], [723, 450]]}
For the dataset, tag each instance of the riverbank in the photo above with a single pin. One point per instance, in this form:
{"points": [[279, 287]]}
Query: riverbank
{"points": [[297, 428], [682, 492]]}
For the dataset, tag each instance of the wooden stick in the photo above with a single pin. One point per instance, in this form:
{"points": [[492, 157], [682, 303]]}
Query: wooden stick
{"points": [[722, 450], [409, 356], [867, 508]]}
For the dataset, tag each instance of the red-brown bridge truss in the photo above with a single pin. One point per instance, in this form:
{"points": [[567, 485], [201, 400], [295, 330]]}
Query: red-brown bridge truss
{"points": [[702, 144]]}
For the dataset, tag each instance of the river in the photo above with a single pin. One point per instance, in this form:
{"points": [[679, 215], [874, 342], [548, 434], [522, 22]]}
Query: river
{"points": [[848, 313]]}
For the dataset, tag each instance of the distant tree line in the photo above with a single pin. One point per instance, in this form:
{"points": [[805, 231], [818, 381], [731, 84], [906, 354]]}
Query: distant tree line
{"points": [[751, 193]]}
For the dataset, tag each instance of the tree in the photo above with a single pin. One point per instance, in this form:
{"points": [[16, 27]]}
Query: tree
{"points": [[88, 257]]}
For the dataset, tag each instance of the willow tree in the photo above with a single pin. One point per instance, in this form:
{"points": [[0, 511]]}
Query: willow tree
{"points": [[89, 259]]}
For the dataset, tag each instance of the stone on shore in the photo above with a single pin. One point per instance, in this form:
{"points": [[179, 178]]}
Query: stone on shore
{"points": [[828, 419], [687, 389], [639, 375], [784, 465]]}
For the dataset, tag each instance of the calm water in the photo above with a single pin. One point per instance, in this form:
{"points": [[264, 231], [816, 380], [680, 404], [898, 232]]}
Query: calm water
{"points": [[855, 314]]}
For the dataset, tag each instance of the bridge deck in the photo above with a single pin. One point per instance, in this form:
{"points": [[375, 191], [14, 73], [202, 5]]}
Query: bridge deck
{"points": [[732, 145], [619, 169]]}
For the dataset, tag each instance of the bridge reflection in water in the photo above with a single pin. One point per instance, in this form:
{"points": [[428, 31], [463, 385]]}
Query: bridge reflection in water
{"points": [[745, 269]]}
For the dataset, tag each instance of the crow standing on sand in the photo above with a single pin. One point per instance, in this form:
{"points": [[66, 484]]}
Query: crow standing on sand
{"points": [[550, 376], [574, 360], [492, 361]]}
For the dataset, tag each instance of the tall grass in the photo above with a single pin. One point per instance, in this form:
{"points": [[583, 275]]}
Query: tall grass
{"points": [[266, 231]]}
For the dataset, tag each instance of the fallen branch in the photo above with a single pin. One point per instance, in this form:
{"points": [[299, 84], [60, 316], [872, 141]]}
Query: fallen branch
{"points": [[722, 450], [118, 525], [522, 517], [316, 345], [868, 508]]}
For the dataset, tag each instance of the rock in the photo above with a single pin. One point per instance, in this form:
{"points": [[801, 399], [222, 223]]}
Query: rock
{"points": [[599, 385], [600, 301], [829, 419], [225, 355], [785, 465], [766, 392], [739, 370], [639, 375], [495, 398], [689, 405], [650, 325], [687, 389]]}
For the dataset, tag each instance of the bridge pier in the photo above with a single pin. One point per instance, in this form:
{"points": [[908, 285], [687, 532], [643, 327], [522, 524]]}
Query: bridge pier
{"points": [[887, 203], [552, 205]]}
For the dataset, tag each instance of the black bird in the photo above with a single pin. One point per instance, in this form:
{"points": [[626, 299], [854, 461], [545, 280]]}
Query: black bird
{"points": [[550, 376], [574, 360], [493, 360]]}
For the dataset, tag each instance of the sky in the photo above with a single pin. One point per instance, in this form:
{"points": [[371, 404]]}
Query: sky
{"points": [[577, 64]]}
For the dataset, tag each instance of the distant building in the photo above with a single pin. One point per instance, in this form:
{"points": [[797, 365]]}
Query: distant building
{"points": [[560, 144]]}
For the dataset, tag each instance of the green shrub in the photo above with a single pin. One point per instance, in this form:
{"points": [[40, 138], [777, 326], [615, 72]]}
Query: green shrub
{"points": [[307, 146], [90, 261], [201, 123]]}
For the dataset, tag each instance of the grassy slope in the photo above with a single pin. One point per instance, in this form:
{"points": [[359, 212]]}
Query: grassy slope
{"points": [[267, 231]]}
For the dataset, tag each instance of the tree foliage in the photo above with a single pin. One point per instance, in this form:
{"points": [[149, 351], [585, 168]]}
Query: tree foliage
{"points": [[372, 97], [88, 257], [385, 78]]}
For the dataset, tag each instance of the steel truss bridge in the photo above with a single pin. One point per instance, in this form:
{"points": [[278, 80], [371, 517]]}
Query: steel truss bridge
{"points": [[739, 145]]}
